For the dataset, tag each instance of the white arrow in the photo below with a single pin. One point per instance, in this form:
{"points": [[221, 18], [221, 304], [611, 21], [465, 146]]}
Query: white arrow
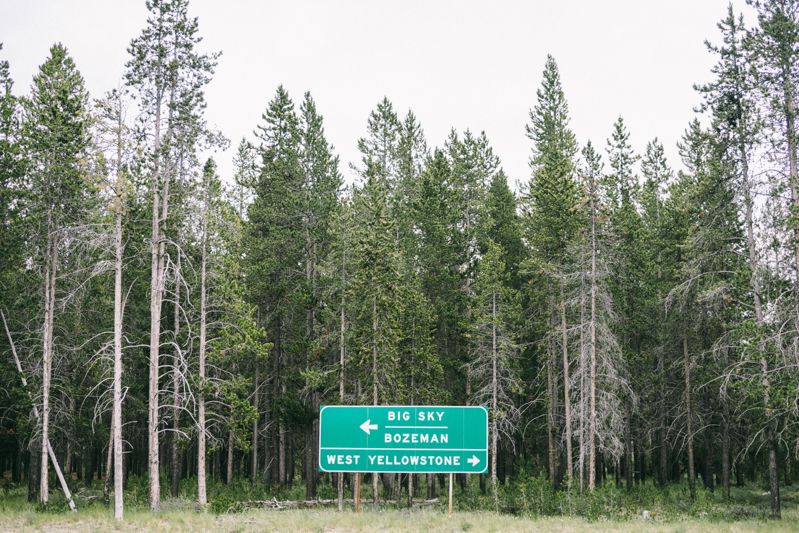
{"points": [[473, 461], [366, 426]]}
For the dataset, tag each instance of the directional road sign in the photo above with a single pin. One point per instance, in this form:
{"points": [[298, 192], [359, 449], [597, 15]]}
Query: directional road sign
{"points": [[403, 439]]}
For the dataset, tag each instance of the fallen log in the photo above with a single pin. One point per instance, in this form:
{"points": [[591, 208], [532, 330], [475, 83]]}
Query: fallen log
{"points": [[288, 504]]}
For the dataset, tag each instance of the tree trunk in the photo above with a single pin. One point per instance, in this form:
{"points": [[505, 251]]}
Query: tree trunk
{"points": [[689, 415], [494, 402], [229, 476], [116, 426], [566, 399], [47, 362], [201, 448], [725, 452], [257, 403], [774, 475], [628, 447], [592, 417], [708, 470], [282, 452], [34, 470], [108, 466], [551, 409], [374, 379], [175, 470], [739, 472]]}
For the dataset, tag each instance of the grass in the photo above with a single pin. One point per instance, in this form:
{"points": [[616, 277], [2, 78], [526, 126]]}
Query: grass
{"points": [[525, 506]]}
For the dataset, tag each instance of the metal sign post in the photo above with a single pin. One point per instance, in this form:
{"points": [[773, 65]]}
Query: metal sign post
{"points": [[450, 495], [357, 493]]}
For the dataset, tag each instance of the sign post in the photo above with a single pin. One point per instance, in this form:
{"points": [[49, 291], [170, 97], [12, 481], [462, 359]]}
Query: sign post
{"points": [[403, 439]]}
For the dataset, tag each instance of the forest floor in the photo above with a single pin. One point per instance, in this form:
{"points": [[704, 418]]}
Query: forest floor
{"points": [[610, 510]]}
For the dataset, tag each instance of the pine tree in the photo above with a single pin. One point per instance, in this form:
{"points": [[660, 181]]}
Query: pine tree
{"points": [[621, 189], [437, 260], [601, 370], [551, 223], [12, 171], [56, 139], [379, 148], [495, 312], [657, 177], [276, 245], [504, 226], [736, 125], [322, 183], [374, 288], [116, 148], [168, 77], [412, 155]]}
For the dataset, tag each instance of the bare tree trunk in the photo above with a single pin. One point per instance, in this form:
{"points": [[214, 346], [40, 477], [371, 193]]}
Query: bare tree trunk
{"points": [[47, 363], [116, 422], [494, 404], [567, 400], [257, 402], [663, 444], [689, 415], [175, 470], [551, 409], [341, 400], [201, 449], [628, 447], [229, 476], [374, 379], [34, 467], [68, 459], [592, 418], [156, 295], [282, 452], [725, 451], [774, 475]]}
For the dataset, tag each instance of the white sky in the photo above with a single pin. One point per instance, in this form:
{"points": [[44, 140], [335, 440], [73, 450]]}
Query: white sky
{"points": [[461, 64]]}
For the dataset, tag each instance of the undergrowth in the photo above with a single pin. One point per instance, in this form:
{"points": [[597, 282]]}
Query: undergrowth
{"points": [[524, 496]]}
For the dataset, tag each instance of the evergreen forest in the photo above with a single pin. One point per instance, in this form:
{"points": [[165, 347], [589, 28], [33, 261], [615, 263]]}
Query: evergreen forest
{"points": [[171, 333]]}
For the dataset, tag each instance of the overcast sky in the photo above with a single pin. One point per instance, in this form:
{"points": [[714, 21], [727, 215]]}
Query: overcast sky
{"points": [[462, 64]]}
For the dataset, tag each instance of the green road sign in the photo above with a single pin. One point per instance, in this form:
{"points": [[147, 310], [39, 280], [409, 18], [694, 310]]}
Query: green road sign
{"points": [[403, 439]]}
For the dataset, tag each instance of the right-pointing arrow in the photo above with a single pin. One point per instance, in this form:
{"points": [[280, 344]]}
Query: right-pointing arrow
{"points": [[473, 461]]}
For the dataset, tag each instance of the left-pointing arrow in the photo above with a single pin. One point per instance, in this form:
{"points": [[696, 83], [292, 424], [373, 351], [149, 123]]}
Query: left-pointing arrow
{"points": [[366, 426]]}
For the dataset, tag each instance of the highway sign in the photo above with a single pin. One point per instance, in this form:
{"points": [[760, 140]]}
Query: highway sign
{"points": [[403, 439]]}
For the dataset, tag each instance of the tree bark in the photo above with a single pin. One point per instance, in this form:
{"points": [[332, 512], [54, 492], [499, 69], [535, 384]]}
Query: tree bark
{"points": [[689, 415], [592, 418], [201, 448], [628, 447], [175, 470], [566, 399], [47, 364], [494, 403], [374, 379], [551, 410], [116, 429], [229, 476], [725, 452], [257, 402]]}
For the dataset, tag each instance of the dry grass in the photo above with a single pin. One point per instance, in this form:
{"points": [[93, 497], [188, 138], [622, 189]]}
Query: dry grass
{"points": [[97, 520]]}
